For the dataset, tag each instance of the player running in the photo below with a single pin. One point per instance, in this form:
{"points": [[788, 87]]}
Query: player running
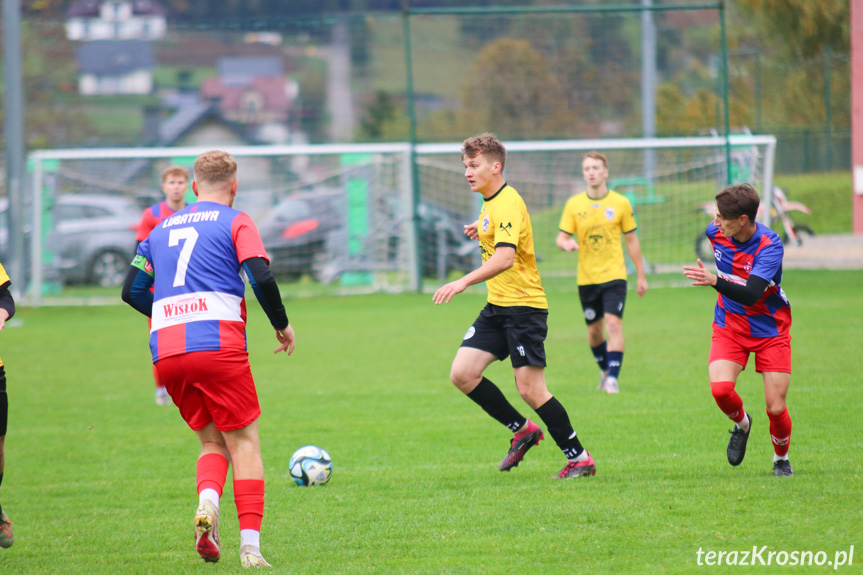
{"points": [[752, 316], [194, 259], [514, 321]]}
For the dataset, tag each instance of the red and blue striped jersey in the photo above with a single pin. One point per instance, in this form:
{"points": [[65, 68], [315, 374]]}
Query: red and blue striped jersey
{"points": [[151, 218], [195, 257], [761, 255]]}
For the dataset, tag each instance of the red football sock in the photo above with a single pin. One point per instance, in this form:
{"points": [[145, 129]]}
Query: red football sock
{"points": [[727, 399], [212, 472], [249, 497], [780, 432]]}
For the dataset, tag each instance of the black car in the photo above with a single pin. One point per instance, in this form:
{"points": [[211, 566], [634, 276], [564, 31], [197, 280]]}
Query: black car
{"points": [[317, 233]]}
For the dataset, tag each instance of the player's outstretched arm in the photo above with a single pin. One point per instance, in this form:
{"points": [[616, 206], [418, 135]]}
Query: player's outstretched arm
{"points": [[501, 260], [699, 274]]}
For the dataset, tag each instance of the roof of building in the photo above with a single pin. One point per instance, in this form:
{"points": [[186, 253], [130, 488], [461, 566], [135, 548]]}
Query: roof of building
{"points": [[90, 8], [114, 57], [240, 71]]}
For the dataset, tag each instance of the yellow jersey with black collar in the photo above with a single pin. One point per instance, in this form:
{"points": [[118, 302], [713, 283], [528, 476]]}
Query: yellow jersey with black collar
{"points": [[599, 225], [504, 221]]}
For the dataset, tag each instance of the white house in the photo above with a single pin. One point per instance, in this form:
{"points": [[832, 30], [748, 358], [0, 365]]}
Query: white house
{"points": [[115, 67], [115, 20]]}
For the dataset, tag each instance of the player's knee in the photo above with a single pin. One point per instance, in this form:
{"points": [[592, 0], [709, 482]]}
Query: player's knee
{"points": [[613, 325], [722, 389], [463, 379], [775, 406]]}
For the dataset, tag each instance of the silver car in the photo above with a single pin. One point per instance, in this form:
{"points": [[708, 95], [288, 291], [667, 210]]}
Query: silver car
{"points": [[91, 238]]}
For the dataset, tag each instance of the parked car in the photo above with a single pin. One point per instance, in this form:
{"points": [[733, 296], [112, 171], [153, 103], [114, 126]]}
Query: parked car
{"points": [[92, 238], [307, 233], [296, 229]]}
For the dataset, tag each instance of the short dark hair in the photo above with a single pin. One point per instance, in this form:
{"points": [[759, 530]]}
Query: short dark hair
{"points": [[738, 200], [486, 144]]}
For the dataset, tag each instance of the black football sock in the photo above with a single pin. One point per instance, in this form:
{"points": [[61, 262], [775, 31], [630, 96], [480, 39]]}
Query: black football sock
{"points": [[615, 362], [557, 422], [489, 397], [599, 355]]}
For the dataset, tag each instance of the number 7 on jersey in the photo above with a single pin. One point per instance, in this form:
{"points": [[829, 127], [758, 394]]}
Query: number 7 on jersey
{"points": [[190, 236]]}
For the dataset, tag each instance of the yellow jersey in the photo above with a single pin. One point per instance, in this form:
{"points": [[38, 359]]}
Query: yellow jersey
{"points": [[4, 283], [504, 221], [599, 225]]}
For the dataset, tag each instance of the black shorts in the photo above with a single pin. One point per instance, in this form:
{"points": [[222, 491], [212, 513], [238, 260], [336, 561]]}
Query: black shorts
{"points": [[609, 297], [4, 402], [518, 332]]}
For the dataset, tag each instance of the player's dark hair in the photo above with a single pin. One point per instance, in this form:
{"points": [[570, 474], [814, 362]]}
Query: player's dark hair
{"points": [[596, 156], [215, 167], [486, 144], [738, 200]]}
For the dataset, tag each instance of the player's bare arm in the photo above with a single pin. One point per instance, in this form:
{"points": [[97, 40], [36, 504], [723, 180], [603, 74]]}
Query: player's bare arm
{"points": [[501, 260], [633, 246], [566, 242], [470, 230]]}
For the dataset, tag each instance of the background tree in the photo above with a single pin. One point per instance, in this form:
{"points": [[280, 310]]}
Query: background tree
{"points": [[511, 90]]}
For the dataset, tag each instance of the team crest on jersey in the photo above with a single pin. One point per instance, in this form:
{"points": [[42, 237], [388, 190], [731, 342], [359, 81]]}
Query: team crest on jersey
{"points": [[485, 223], [609, 214], [747, 267]]}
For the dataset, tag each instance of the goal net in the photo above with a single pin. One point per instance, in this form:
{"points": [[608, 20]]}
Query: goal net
{"points": [[368, 217]]}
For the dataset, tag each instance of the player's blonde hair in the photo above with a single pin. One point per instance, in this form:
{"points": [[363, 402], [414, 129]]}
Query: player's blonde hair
{"points": [[596, 156], [486, 144], [215, 167], [175, 171]]}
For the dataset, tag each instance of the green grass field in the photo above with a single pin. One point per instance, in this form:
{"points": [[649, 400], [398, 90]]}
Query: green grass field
{"points": [[101, 480]]}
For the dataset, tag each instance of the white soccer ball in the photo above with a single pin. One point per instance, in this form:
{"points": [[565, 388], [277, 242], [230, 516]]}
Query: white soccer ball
{"points": [[310, 465]]}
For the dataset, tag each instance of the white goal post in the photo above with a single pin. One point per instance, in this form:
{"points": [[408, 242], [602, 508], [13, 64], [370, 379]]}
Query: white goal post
{"points": [[356, 218]]}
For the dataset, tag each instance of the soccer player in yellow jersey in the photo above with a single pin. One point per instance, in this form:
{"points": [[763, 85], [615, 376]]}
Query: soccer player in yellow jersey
{"points": [[514, 321], [598, 217], [7, 310]]}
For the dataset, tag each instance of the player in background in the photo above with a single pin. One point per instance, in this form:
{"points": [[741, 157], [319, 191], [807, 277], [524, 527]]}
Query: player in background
{"points": [[7, 310], [598, 217], [514, 321], [175, 183], [194, 259], [752, 315]]}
